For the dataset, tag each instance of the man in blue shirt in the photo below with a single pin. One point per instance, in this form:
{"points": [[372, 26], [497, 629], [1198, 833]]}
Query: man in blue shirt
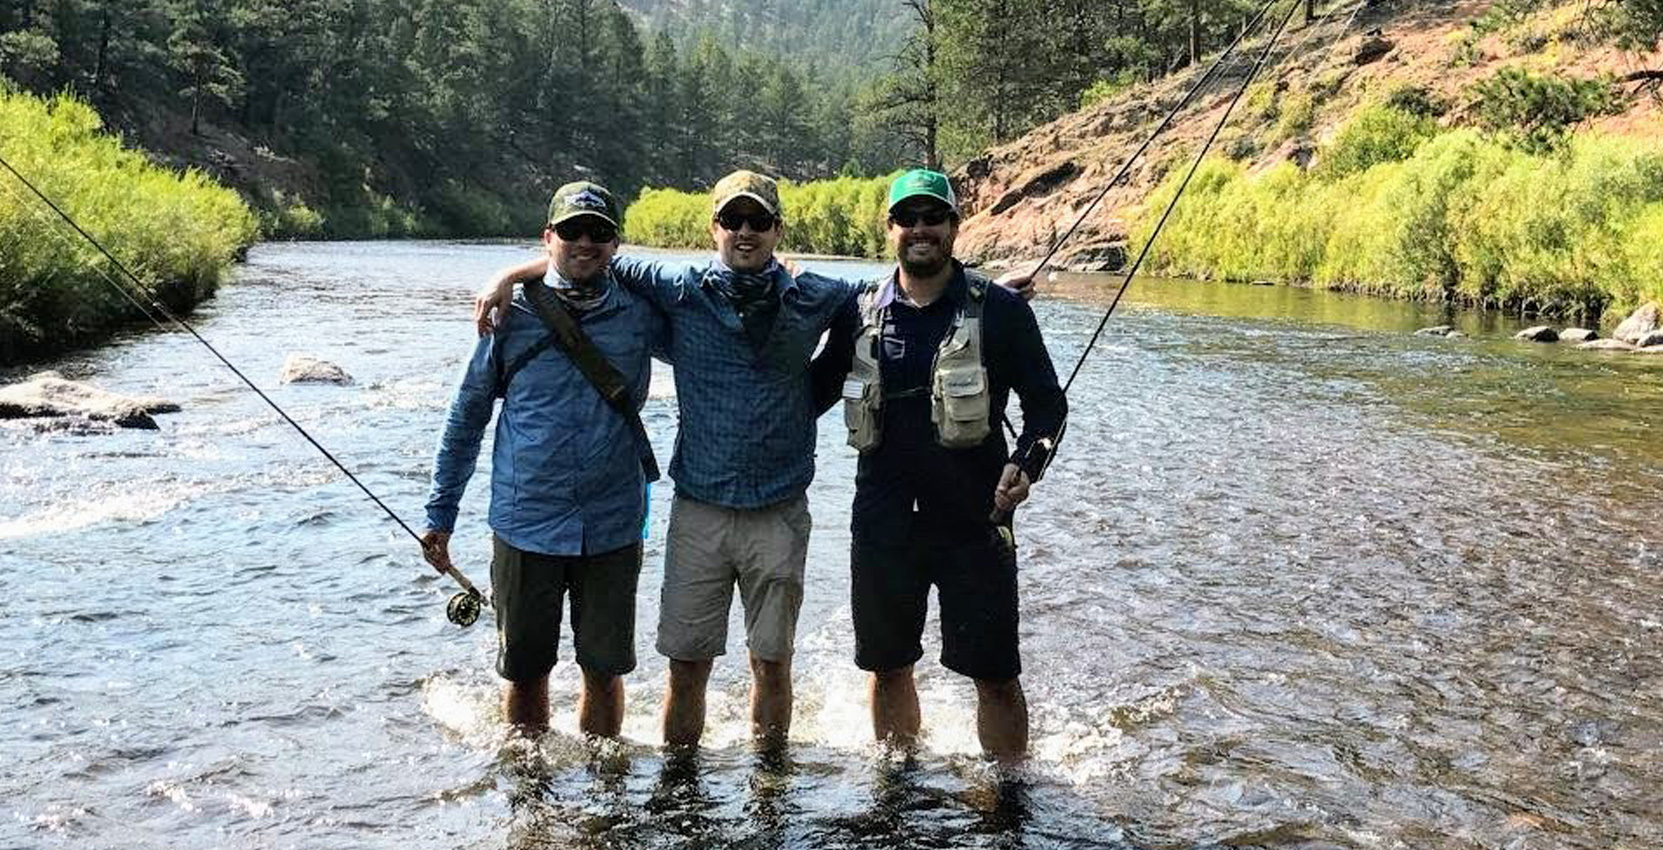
{"points": [[925, 364], [567, 478]]}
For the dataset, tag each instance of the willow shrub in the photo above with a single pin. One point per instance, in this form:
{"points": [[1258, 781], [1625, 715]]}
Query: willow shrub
{"points": [[177, 232], [1457, 215], [843, 216]]}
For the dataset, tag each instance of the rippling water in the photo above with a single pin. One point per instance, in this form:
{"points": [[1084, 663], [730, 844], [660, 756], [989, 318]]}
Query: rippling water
{"points": [[1298, 579]]}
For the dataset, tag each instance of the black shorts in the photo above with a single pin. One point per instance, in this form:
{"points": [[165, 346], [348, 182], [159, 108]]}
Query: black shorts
{"points": [[976, 585], [527, 590]]}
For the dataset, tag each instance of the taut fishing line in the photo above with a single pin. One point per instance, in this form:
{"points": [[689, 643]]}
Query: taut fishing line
{"points": [[464, 608]]}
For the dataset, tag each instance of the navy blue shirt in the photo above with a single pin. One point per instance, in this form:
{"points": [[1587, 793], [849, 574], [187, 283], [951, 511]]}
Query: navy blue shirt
{"points": [[909, 479]]}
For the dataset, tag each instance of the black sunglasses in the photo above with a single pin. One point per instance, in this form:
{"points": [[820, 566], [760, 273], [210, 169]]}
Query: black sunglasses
{"points": [[759, 222], [912, 218], [573, 229]]}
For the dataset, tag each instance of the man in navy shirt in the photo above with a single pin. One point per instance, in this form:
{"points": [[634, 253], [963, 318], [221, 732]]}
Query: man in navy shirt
{"points": [[567, 482], [925, 363]]}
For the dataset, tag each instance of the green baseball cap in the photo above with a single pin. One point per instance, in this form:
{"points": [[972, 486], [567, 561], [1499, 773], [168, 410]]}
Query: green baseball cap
{"points": [[922, 182], [747, 184], [585, 198]]}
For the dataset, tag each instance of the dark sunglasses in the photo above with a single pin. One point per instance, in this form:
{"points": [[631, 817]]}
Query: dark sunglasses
{"points": [[913, 218], [759, 222], [573, 229]]}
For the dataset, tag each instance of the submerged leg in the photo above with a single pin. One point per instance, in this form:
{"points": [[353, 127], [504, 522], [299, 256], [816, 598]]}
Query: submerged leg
{"points": [[684, 702], [895, 715]]}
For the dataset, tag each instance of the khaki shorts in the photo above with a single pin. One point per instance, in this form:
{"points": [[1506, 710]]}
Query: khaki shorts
{"points": [[712, 548]]}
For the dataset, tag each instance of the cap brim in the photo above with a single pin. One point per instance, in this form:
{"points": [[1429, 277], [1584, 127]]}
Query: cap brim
{"points": [[568, 216], [922, 194], [753, 196]]}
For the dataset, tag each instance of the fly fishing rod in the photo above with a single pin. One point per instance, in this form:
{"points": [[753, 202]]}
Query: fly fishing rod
{"points": [[1001, 518], [464, 608]]}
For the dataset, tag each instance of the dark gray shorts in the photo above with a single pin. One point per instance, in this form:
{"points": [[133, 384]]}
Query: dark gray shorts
{"points": [[527, 589]]}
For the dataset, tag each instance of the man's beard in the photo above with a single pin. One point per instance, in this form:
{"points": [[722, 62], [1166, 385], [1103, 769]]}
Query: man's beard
{"points": [[924, 268]]}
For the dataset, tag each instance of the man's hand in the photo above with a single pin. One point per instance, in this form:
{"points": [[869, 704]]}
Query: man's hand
{"points": [[490, 305], [1012, 489], [436, 549], [1020, 283]]}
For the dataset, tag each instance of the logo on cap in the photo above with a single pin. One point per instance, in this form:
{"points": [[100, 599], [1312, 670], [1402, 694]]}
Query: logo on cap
{"points": [[587, 200]]}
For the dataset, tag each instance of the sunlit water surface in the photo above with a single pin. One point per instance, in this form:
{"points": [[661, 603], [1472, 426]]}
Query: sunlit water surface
{"points": [[1298, 579]]}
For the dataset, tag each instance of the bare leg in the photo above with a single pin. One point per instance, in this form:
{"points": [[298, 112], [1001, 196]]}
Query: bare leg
{"points": [[895, 715], [770, 701], [684, 702], [600, 706], [1002, 719], [526, 705]]}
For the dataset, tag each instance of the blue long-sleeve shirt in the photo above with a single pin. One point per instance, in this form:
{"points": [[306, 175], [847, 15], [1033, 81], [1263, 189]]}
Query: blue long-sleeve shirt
{"points": [[565, 466], [747, 432]]}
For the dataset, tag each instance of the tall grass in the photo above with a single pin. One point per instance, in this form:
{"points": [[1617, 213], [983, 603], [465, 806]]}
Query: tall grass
{"points": [[841, 216], [177, 232], [1395, 208]]}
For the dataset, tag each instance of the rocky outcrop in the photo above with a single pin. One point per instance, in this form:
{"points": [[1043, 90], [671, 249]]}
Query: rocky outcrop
{"points": [[1606, 345], [1639, 323], [49, 395], [1373, 49], [304, 369], [1577, 335], [1540, 333]]}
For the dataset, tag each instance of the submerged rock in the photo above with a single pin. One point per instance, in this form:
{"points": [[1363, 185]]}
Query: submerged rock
{"points": [[1606, 345], [305, 369], [1577, 335], [1650, 349], [1655, 338], [1540, 333], [49, 395], [1436, 330], [1639, 323]]}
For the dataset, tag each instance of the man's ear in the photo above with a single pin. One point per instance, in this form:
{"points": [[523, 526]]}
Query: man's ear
{"points": [[548, 237]]}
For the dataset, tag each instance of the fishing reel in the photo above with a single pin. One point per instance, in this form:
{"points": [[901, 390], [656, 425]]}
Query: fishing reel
{"points": [[463, 608]]}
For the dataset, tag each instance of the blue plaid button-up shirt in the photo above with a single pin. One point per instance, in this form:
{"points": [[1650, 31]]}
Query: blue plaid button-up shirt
{"points": [[747, 433]]}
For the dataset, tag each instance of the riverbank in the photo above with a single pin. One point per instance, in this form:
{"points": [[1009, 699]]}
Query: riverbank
{"points": [[178, 232]]}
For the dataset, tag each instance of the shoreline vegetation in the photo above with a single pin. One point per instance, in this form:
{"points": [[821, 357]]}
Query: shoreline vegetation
{"points": [[1396, 207], [839, 217], [178, 232]]}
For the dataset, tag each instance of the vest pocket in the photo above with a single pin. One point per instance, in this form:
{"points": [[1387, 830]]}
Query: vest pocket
{"points": [[960, 406]]}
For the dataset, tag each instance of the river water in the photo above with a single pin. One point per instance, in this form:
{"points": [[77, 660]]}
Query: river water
{"points": [[1298, 579]]}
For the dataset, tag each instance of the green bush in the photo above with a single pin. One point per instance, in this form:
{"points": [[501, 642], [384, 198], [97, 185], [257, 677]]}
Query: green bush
{"points": [[1462, 217], [177, 232], [1375, 135], [842, 216]]}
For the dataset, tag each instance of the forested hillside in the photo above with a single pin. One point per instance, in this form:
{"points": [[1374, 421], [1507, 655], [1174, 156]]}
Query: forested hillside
{"points": [[860, 34], [372, 117]]}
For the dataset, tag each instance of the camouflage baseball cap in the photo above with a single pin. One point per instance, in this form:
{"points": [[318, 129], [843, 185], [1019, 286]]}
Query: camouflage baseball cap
{"points": [[747, 184], [923, 183], [584, 198]]}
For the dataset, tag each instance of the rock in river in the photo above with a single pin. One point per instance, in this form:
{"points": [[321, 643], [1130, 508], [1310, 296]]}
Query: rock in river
{"points": [[1435, 330], [1639, 323], [1540, 333], [1651, 340], [48, 394], [1606, 345], [1577, 335], [304, 369]]}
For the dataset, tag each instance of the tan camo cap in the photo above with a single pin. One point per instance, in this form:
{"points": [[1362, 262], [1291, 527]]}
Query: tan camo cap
{"points": [[747, 184]]}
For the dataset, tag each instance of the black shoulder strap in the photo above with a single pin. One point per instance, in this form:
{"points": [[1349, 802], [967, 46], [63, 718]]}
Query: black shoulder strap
{"points": [[589, 360]]}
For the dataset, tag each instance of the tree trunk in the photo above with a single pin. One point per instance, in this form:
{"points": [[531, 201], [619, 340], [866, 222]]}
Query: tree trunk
{"points": [[103, 51], [1195, 31], [1310, 12]]}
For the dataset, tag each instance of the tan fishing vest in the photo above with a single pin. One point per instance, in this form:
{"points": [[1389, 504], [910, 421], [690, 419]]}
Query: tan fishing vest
{"points": [[960, 399]]}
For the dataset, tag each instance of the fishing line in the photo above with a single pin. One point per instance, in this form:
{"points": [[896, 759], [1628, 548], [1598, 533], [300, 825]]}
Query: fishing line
{"points": [[1132, 271], [463, 608], [1001, 518]]}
